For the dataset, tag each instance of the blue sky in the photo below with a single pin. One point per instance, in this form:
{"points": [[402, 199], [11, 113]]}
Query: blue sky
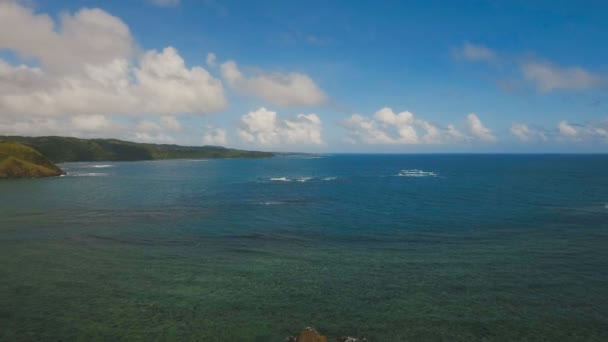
{"points": [[471, 76]]}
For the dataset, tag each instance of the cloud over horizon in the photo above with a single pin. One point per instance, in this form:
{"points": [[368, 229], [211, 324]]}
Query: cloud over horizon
{"points": [[386, 127], [264, 127]]}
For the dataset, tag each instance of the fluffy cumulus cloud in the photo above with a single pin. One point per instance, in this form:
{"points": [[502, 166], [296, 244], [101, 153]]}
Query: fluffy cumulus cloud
{"points": [[84, 69], [526, 133], [283, 89], [547, 77], [478, 130], [264, 127], [387, 127], [89, 36], [473, 52], [215, 136]]}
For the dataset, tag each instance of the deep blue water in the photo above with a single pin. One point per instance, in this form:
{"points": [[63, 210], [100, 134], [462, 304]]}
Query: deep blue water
{"points": [[392, 247]]}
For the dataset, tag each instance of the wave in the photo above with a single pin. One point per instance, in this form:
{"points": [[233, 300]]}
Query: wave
{"points": [[416, 173], [271, 203], [301, 179], [87, 174], [102, 166]]}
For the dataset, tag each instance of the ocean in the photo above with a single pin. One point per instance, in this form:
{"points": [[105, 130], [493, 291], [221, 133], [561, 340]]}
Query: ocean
{"points": [[387, 247]]}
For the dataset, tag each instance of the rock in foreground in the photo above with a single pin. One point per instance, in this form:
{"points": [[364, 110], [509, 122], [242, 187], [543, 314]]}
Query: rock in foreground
{"points": [[20, 161], [311, 335]]}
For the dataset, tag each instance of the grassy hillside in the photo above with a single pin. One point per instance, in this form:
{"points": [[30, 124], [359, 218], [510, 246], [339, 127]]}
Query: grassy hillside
{"points": [[20, 161], [64, 149]]}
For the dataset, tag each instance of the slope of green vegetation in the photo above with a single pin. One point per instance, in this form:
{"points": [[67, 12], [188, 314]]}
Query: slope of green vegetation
{"points": [[20, 161], [65, 149]]}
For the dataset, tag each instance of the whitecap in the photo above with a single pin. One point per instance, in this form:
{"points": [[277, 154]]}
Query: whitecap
{"points": [[280, 179], [329, 178], [271, 203], [87, 174], [102, 166], [416, 173], [304, 179]]}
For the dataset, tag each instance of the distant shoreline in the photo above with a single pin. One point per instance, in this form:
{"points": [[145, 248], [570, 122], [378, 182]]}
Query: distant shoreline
{"points": [[67, 149]]}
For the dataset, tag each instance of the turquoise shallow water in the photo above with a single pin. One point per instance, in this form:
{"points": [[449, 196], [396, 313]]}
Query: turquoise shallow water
{"points": [[391, 247]]}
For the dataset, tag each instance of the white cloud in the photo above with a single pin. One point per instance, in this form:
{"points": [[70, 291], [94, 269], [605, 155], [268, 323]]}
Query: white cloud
{"points": [[544, 76], [475, 53], [283, 89], [478, 130], [90, 36], [88, 126], [583, 132], [80, 125], [263, 127], [90, 123], [165, 3], [215, 136], [525, 133], [567, 130], [167, 86], [211, 60], [171, 123], [386, 127], [87, 66], [161, 84], [152, 138], [547, 77]]}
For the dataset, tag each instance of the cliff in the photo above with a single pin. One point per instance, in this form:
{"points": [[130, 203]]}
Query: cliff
{"points": [[20, 161]]}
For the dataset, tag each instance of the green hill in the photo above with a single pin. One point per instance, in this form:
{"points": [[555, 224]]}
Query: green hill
{"points": [[20, 161], [65, 149]]}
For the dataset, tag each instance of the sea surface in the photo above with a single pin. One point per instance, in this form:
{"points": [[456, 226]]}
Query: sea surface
{"points": [[388, 247]]}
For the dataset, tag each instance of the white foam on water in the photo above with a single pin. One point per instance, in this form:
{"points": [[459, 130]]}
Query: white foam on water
{"points": [[300, 179], [87, 174], [271, 203], [416, 173], [102, 166]]}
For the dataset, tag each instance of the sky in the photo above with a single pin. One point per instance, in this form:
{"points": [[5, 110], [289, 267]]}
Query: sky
{"points": [[315, 76]]}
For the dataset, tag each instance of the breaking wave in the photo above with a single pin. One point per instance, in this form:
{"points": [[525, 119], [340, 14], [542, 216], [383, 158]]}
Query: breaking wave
{"points": [[416, 173], [87, 174], [301, 179]]}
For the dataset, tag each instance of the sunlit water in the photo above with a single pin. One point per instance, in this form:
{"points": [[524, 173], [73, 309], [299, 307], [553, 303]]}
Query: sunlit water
{"points": [[391, 247]]}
